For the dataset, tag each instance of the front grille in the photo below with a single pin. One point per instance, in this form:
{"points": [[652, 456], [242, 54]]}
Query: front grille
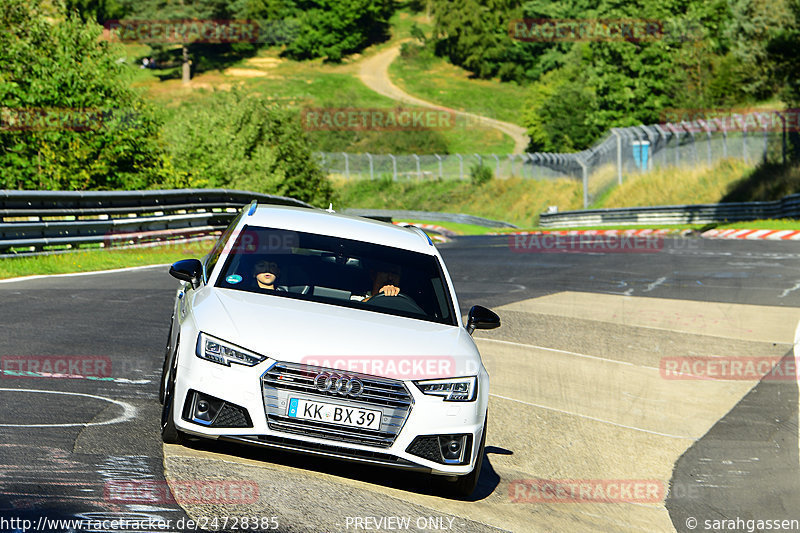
{"points": [[288, 380]]}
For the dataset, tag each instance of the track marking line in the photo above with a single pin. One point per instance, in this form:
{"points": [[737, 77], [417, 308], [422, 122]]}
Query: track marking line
{"points": [[129, 411], [72, 274], [594, 418], [576, 354], [656, 283], [785, 293]]}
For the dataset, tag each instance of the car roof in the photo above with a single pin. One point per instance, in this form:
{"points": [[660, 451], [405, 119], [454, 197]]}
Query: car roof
{"points": [[322, 222]]}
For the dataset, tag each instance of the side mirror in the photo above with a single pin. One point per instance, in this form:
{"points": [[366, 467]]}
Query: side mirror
{"points": [[481, 318], [190, 270]]}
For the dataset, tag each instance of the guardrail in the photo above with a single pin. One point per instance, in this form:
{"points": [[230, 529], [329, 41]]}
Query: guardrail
{"points": [[431, 216], [787, 207], [40, 221]]}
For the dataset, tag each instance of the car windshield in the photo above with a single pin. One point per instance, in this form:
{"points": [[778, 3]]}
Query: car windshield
{"points": [[338, 271]]}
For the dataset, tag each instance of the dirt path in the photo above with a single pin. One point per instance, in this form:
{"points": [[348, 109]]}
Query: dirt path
{"points": [[374, 73]]}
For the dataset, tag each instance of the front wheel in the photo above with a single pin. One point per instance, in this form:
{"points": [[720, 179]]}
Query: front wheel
{"points": [[169, 432], [465, 485]]}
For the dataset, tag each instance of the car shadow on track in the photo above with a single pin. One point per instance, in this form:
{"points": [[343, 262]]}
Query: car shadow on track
{"points": [[376, 475]]}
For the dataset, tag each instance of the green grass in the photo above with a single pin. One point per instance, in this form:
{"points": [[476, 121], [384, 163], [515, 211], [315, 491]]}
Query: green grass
{"points": [[436, 80], [94, 260], [456, 227], [671, 186], [513, 200]]}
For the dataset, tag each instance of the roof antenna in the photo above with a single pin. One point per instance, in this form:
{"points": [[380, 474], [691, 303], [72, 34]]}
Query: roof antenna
{"points": [[330, 208]]}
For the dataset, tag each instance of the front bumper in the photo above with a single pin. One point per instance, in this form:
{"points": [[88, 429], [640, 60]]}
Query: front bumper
{"points": [[245, 387]]}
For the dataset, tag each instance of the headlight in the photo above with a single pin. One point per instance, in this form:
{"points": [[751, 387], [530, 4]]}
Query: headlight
{"points": [[224, 353], [452, 389]]}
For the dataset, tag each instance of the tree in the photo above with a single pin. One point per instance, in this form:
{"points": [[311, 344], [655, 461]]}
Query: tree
{"points": [[69, 118], [335, 28], [239, 141], [180, 11]]}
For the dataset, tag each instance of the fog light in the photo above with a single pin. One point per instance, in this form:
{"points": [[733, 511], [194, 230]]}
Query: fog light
{"points": [[205, 408], [202, 407], [452, 447]]}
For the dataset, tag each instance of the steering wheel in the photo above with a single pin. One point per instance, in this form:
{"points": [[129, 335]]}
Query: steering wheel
{"points": [[399, 302]]}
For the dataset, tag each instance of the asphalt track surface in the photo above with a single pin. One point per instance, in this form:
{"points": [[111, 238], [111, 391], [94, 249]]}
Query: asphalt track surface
{"points": [[577, 396]]}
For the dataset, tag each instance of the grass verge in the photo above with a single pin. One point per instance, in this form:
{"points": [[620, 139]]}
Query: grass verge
{"points": [[436, 80], [515, 200], [101, 259]]}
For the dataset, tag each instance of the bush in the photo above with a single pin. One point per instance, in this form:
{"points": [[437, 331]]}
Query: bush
{"points": [[480, 174], [239, 141], [99, 133]]}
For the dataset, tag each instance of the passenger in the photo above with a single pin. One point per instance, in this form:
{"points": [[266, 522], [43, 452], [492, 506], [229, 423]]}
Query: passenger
{"points": [[266, 274]]}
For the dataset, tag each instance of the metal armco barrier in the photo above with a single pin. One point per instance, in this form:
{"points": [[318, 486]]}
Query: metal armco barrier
{"points": [[389, 214], [38, 221], [788, 207]]}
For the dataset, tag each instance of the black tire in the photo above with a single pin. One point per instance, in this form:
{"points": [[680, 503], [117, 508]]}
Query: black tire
{"points": [[169, 433], [165, 369], [464, 486]]}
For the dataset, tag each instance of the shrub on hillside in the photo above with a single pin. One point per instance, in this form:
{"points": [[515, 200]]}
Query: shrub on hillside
{"points": [[239, 141]]}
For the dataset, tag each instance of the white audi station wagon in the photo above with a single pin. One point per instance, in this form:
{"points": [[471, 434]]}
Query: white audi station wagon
{"points": [[331, 335]]}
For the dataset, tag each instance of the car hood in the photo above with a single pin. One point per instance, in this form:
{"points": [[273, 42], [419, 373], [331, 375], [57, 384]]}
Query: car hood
{"points": [[299, 331]]}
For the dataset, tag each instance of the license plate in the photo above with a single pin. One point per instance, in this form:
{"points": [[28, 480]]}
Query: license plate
{"points": [[334, 414]]}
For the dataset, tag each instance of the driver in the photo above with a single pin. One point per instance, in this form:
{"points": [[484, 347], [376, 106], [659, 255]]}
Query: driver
{"points": [[385, 281]]}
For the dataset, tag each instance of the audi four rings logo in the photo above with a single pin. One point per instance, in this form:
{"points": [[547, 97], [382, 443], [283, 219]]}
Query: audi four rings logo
{"points": [[344, 385]]}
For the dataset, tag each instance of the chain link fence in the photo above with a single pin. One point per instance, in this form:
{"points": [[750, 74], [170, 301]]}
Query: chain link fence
{"points": [[750, 137]]}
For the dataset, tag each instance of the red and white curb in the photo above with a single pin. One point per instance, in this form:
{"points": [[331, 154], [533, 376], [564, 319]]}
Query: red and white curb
{"points": [[608, 232], [753, 234]]}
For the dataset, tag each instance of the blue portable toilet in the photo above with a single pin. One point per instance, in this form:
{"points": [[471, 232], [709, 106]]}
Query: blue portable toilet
{"points": [[641, 150]]}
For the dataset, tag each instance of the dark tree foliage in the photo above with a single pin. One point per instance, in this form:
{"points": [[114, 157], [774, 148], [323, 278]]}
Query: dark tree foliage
{"points": [[329, 29], [706, 54]]}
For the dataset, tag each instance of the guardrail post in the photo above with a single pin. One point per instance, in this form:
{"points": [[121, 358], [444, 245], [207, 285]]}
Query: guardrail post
{"points": [[419, 172], [497, 165], [439, 160], [460, 166], [766, 138], [394, 167], [371, 172]]}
